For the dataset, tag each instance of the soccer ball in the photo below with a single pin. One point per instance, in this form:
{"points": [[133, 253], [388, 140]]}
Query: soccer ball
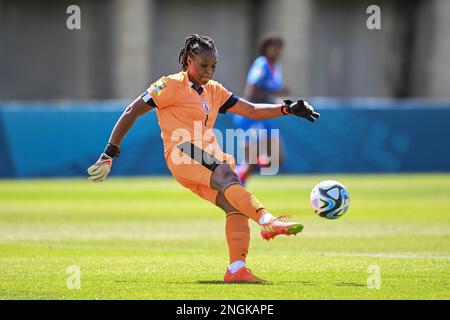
{"points": [[330, 199]]}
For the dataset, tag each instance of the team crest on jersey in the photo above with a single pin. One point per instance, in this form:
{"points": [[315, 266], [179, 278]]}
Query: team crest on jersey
{"points": [[205, 106], [157, 87]]}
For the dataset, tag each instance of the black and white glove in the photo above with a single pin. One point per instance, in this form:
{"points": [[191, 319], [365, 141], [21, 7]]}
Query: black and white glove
{"points": [[300, 108]]}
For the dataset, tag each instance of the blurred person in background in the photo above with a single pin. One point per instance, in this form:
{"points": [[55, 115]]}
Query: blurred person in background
{"points": [[264, 84]]}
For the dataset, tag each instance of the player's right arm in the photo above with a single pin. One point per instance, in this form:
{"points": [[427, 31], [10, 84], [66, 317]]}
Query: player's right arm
{"points": [[160, 95], [137, 108], [100, 170]]}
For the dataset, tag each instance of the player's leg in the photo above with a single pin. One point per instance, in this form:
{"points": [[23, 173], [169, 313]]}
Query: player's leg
{"points": [[225, 180], [237, 232], [208, 171]]}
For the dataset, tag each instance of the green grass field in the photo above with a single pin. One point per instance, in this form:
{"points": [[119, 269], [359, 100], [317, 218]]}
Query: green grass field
{"points": [[148, 238]]}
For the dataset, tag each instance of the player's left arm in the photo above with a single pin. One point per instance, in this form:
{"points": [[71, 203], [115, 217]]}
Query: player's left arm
{"points": [[260, 111]]}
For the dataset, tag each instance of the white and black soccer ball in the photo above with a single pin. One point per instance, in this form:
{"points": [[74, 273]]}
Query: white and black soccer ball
{"points": [[330, 199]]}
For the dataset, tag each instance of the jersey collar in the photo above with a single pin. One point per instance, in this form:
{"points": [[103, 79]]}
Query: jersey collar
{"points": [[199, 90]]}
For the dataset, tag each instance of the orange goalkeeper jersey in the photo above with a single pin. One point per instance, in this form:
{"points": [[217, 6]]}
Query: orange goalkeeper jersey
{"points": [[184, 113]]}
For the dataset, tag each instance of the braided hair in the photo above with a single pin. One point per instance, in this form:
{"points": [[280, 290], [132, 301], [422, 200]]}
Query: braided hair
{"points": [[194, 44]]}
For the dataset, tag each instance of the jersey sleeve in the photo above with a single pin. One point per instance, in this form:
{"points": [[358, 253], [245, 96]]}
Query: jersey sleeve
{"points": [[257, 72], [232, 100], [161, 93], [225, 99]]}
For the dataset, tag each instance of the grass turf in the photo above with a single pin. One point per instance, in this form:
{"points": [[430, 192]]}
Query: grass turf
{"points": [[148, 238]]}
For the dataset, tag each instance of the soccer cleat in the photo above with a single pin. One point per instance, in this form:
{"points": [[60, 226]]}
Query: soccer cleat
{"points": [[278, 226], [242, 275]]}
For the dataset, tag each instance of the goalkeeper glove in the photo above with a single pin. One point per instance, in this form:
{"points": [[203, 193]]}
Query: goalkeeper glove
{"points": [[300, 108], [100, 170]]}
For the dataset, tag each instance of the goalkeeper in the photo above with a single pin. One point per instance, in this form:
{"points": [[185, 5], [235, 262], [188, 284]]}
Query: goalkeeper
{"points": [[187, 105], [264, 84]]}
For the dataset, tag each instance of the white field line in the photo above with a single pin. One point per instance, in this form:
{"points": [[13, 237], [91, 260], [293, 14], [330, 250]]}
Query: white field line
{"points": [[386, 255]]}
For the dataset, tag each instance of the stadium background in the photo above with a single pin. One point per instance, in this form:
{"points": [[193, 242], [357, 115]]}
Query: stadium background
{"points": [[55, 80]]}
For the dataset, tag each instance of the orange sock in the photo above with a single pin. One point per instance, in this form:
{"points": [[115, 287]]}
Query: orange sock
{"points": [[238, 236], [244, 201]]}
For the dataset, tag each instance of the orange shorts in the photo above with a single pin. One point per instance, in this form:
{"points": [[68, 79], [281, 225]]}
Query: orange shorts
{"points": [[192, 164]]}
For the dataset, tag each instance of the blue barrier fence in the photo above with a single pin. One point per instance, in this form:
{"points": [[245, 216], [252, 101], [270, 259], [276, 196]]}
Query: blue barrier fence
{"points": [[359, 135]]}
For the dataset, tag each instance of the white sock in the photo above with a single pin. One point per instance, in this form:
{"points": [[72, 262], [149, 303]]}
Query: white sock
{"points": [[265, 218], [236, 265]]}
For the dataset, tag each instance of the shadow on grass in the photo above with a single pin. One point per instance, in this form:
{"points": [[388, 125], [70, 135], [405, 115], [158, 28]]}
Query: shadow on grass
{"points": [[228, 283], [270, 283], [350, 284]]}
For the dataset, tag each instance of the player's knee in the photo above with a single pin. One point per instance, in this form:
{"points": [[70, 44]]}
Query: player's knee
{"points": [[223, 177], [223, 203]]}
